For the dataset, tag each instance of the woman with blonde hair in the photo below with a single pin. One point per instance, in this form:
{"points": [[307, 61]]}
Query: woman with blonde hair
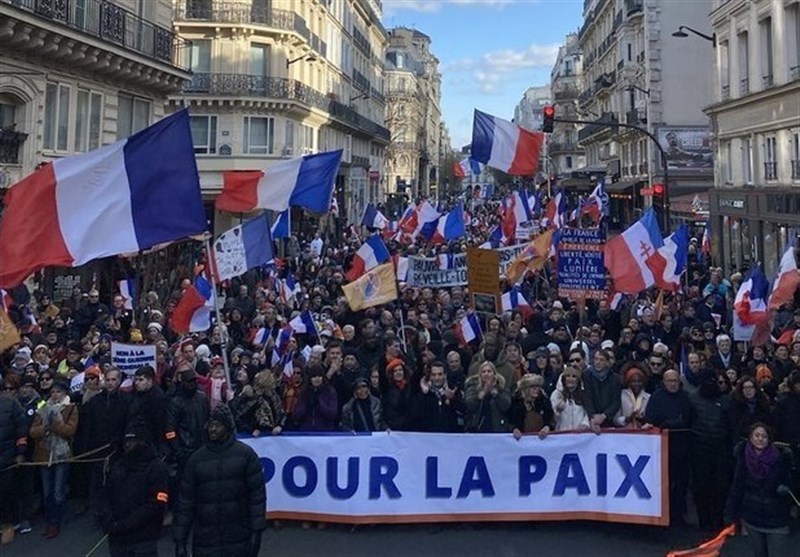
{"points": [[531, 411], [568, 402], [487, 400]]}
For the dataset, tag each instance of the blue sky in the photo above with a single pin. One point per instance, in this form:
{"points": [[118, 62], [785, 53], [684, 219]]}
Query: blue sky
{"points": [[490, 51]]}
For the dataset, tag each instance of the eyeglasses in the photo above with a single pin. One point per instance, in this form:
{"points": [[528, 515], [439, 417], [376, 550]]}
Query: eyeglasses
{"points": [[575, 360], [45, 379]]}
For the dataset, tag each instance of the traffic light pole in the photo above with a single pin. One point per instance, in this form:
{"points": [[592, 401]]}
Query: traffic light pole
{"points": [[665, 217]]}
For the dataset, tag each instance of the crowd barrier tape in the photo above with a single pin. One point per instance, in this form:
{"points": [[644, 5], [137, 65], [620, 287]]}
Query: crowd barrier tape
{"points": [[398, 477]]}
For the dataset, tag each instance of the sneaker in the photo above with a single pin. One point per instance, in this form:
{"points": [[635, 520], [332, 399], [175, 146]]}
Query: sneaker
{"points": [[23, 527]]}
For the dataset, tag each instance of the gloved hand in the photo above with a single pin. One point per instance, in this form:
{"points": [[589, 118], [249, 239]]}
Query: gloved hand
{"points": [[254, 545], [180, 549]]}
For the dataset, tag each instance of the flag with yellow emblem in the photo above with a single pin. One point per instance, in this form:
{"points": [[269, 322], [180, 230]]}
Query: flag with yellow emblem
{"points": [[9, 335], [532, 258], [377, 287]]}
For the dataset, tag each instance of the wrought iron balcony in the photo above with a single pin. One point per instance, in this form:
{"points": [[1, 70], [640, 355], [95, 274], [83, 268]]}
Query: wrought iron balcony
{"points": [[110, 23], [243, 85], [767, 80], [605, 81], [10, 145], [635, 117], [794, 73], [770, 170], [566, 94], [598, 126], [557, 147], [795, 170], [361, 80], [360, 161], [362, 42], [349, 116], [586, 96], [240, 12], [726, 92], [744, 86]]}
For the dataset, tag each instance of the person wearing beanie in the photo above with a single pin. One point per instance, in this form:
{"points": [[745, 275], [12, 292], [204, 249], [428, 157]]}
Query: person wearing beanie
{"points": [[135, 497], [53, 429], [222, 498]]}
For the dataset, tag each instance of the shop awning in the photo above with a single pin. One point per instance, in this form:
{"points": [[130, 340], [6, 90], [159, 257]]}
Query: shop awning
{"points": [[621, 186]]}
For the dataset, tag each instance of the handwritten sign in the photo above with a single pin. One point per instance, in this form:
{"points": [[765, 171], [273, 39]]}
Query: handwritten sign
{"points": [[483, 273], [581, 273], [130, 357]]}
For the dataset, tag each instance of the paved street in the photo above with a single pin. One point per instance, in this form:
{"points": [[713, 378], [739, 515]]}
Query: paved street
{"points": [[495, 540]]}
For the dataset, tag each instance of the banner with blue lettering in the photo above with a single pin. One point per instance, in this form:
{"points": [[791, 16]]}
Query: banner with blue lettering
{"points": [[419, 477]]}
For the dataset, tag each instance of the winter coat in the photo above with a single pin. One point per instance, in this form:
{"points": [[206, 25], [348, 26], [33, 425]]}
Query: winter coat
{"points": [[741, 418], [222, 499], [397, 407], [148, 412], [136, 491], [13, 431], [629, 405], [436, 413], [105, 416], [573, 417], [758, 502], [187, 414], [316, 409], [710, 427], [786, 418], [603, 397], [347, 422], [500, 364], [491, 406], [540, 411], [46, 429]]}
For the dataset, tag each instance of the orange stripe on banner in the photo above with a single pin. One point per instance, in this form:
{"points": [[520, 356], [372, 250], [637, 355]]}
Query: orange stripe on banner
{"points": [[468, 517], [161, 496], [710, 548], [171, 435]]}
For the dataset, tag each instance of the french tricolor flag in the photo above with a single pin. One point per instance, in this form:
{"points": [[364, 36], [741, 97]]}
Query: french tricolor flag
{"points": [[373, 218], [284, 336], [787, 281], [127, 289], [461, 168], [495, 240], [193, 312], [261, 336], [445, 261], [632, 258], [390, 230], [415, 218], [121, 198], [597, 206], [304, 182], [372, 253], [400, 267], [303, 324], [289, 288], [241, 248], [750, 304], [555, 212], [514, 300], [450, 226], [675, 253], [282, 227], [469, 329], [505, 146]]}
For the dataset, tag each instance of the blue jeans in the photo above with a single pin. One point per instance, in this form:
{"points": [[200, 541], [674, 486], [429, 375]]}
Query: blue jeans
{"points": [[54, 490]]}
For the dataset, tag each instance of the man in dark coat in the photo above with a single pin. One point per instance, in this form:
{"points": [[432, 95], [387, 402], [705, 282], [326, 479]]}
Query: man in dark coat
{"points": [[223, 496], [148, 408], [438, 407], [136, 499]]}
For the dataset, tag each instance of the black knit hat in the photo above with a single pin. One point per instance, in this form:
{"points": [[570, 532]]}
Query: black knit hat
{"points": [[222, 414]]}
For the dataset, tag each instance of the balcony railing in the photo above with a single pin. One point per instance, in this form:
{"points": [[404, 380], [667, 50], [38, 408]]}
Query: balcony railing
{"points": [[794, 73], [643, 168], [10, 145], [605, 81], [767, 80], [562, 147], [361, 80], [586, 96], [239, 12], [362, 42], [744, 86], [111, 23], [633, 6], [350, 116], [566, 94], [635, 116], [243, 85], [795, 170], [360, 161], [598, 126], [726, 92], [770, 170]]}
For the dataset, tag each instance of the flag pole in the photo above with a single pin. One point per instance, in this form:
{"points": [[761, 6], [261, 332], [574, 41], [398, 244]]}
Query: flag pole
{"points": [[403, 331], [223, 333]]}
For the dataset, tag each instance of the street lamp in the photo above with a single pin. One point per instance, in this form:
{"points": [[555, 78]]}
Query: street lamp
{"points": [[682, 34], [361, 96], [306, 57]]}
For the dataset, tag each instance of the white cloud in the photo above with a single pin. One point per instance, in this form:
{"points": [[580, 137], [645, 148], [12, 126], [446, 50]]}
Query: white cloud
{"points": [[430, 6], [494, 69]]}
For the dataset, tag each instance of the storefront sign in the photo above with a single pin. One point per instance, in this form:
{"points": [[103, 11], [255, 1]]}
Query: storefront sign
{"points": [[581, 273], [402, 477], [732, 203]]}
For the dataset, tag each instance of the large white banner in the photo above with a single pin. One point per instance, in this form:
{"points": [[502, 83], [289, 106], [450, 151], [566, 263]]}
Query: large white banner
{"points": [[437, 272], [418, 477]]}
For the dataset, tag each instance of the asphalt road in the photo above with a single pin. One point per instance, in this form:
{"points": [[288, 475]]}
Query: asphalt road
{"points": [[584, 539]]}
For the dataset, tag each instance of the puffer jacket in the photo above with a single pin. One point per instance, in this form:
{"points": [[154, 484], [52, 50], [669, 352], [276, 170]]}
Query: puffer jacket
{"points": [[13, 431], [136, 490], [495, 406], [758, 502], [222, 499]]}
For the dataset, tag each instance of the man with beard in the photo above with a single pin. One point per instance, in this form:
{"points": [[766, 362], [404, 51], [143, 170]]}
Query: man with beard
{"points": [[223, 496], [136, 499], [370, 350], [492, 351]]}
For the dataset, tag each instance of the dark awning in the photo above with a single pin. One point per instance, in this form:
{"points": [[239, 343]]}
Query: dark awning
{"points": [[621, 186]]}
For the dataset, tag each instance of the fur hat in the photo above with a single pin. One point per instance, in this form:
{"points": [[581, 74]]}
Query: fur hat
{"points": [[530, 380], [222, 414]]}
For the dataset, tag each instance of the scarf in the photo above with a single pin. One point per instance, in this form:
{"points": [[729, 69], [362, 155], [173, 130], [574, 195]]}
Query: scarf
{"points": [[760, 464], [725, 358], [600, 376]]}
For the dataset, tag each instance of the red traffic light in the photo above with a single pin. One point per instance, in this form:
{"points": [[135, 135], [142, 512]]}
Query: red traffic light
{"points": [[658, 189], [549, 111]]}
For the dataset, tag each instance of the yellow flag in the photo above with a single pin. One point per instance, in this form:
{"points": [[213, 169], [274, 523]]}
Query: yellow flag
{"points": [[377, 287], [9, 335], [532, 258]]}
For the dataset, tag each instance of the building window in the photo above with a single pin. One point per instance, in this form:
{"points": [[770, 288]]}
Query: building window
{"points": [[727, 162], [347, 155], [8, 114], [747, 160], [259, 135], [770, 158], [288, 147], [56, 118], [201, 56], [204, 134], [569, 161], [259, 60], [133, 115], [796, 155], [87, 122], [767, 70], [724, 71], [308, 139], [792, 19], [744, 63]]}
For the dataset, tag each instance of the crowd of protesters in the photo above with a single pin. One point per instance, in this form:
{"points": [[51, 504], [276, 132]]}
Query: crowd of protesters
{"points": [[732, 409]]}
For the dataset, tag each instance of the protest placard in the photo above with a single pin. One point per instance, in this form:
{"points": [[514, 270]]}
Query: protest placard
{"points": [[130, 357], [581, 272]]}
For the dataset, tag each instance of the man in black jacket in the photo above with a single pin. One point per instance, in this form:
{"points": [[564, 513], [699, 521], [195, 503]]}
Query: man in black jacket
{"points": [[223, 496], [187, 413], [670, 408], [438, 407], [148, 409], [136, 498], [13, 442]]}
